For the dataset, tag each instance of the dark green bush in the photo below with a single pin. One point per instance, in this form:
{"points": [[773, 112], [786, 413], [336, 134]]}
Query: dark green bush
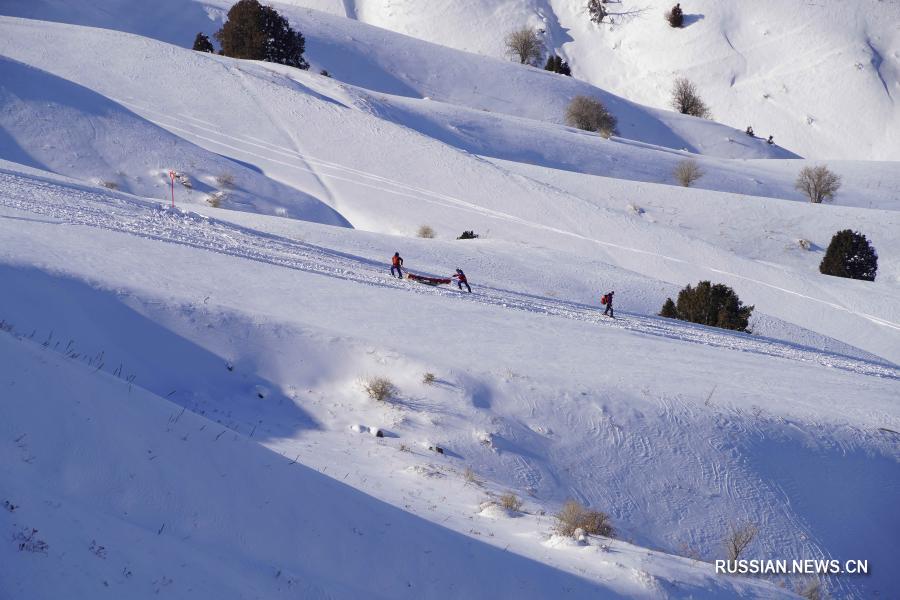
{"points": [[557, 65], [258, 32], [850, 255], [668, 310], [710, 304], [202, 43]]}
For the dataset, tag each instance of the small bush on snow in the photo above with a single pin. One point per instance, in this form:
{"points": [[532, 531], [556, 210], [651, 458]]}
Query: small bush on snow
{"points": [[225, 179], [202, 44], [215, 199], [510, 501], [574, 516], [590, 114], [687, 172], [686, 99], [675, 16], [380, 389], [428, 379], [470, 477], [426, 232]]}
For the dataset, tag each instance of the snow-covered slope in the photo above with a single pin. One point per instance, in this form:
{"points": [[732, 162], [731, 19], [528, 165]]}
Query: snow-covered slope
{"points": [[116, 491], [555, 427], [823, 78], [261, 328], [52, 123], [296, 127]]}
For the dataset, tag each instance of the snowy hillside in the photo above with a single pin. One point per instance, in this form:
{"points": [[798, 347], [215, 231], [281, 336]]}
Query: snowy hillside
{"points": [[186, 413], [823, 78]]}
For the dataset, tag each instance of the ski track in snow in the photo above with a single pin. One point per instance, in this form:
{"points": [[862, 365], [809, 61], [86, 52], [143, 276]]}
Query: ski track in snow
{"points": [[75, 205]]}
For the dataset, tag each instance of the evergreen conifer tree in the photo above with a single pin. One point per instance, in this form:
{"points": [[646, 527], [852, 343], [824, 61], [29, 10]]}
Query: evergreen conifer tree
{"points": [[850, 255]]}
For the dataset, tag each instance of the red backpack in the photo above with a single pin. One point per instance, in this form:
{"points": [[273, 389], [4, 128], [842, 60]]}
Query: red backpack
{"points": [[604, 299]]}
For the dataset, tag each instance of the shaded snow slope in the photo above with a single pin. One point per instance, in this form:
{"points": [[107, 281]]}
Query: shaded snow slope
{"points": [[52, 123], [134, 497]]}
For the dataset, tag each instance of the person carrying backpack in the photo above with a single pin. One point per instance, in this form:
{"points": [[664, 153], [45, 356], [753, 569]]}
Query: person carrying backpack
{"points": [[396, 263], [461, 280], [607, 299]]}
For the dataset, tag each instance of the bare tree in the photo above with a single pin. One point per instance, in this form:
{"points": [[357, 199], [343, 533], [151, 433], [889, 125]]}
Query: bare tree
{"points": [[686, 99], [739, 537], [590, 114], [526, 45], [687, 172], [818, 183], [597, 9]]}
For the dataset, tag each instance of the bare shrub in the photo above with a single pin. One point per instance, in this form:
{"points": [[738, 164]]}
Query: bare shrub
{"points": [[380, 389], [225, 180], [739, 537], [818, 183], [429, 379], [510, 501], [686, 99], [574, 516], [687, 172], [215, 199], [590, 114], [110, 185], [470, 477], [27, 541], [525, 45], [425, 231]]}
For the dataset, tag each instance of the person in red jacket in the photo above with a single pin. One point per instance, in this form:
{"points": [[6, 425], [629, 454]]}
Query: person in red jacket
{"points": [[607, 299], [461, 280], [396, 263]]}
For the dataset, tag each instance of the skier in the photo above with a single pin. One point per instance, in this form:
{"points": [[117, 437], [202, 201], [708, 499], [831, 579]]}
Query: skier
{"points": [[750, 132], [396, 263], [461, 280], [607, 299], [771, 140]]}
